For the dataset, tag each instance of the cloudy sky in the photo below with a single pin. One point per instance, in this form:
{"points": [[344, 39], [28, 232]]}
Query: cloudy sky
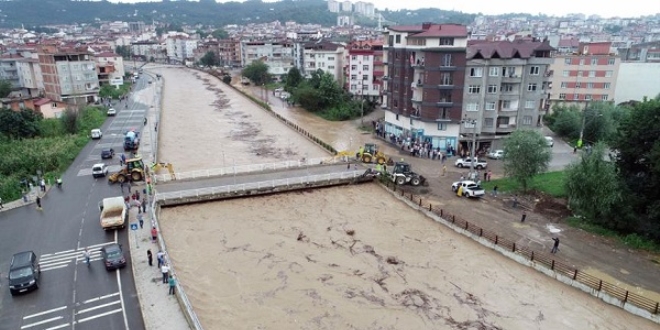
{"points": [[552, 7]]}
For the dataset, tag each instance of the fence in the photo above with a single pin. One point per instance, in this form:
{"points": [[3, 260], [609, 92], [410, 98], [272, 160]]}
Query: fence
{"points": [[257, 185], [588, 281], [249, 168]]}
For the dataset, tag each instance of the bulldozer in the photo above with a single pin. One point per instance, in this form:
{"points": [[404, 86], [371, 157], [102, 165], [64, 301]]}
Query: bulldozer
{"points": [[133, 170], [369, 153], [403, 174], [158, 166]]}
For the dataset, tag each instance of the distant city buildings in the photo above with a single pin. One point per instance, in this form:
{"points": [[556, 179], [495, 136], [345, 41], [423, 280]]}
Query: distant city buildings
{"points": [[366, 9]]}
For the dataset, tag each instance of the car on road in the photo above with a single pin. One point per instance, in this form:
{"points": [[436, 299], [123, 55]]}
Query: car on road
{"points": [[470, 188], [496, 154], [99, 170], [113, 256], [24, 273], [112, 112], [549, 141], [107, 153], [96, 134], [465, 162]]}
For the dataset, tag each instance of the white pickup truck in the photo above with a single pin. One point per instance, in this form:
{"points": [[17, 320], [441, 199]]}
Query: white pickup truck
{"points": [[465, 162], [113, 213], [469, 188]]}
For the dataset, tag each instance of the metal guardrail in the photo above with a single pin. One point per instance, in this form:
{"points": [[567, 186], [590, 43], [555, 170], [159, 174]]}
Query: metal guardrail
{"points": [[257, 185], [249, 168]]}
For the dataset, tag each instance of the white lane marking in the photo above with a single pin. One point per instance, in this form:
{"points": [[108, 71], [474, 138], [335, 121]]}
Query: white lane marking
{"points": [[56, 253], [99, 315], [41, 322], [81, 311], [121, 296], [45, 312], [44, 269], [100, 244], [100, 298], [59, 326]]}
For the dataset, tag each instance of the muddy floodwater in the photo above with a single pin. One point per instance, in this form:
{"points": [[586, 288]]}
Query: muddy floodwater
{"points": [[350, 257]]}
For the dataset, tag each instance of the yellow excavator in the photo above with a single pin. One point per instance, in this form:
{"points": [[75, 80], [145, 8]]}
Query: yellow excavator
{"points": [[369, 153], [133, 170], [158, 166]]}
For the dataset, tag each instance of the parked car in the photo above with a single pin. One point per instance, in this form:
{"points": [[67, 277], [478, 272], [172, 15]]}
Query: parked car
{"points": [[113, 256], [465, 162], [24, 273], [96, 134], [470, 188], [107, 153], [549, 141], [99, 170], [496, 154], [112, 112]]}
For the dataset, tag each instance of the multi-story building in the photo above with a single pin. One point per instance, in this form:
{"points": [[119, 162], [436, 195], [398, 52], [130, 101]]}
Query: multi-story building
{"points": [[9, 69], [110, 66], [639, 72], [365, 69], [69, 74], [148, 50], [648, 52], [30, 76], [346, 6], [324, 56], [180, 48], [505, 86], [424, 87], [229, 52], [334, 6], [365, 8], [278, 55], [588, 75]]}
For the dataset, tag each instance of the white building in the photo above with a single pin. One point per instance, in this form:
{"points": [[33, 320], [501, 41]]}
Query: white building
{"points": [[278, 55], [344, 20], [180, 47], [110, 66], [326, 56], [29, 75], [148, 49], [365, 8], [333, 6], [347, 6], [637, 80]]}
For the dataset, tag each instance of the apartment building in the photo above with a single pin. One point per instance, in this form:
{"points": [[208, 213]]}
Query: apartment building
{"points": [[505, 86], [9, 69], [588, 75], [365, 69], [278, 55], [30, 76], [110, 66], [423, 91], [148, 50], [69, 74], [325, 56], [365, 8], [334, 6], [180, 48], [639, 72]]}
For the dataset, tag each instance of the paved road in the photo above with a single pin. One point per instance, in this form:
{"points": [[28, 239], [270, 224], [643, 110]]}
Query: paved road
{"points": [[72, 295]]}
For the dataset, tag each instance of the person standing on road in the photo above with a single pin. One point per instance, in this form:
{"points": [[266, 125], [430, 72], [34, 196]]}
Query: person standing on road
{"points": [[154, 234], [144, 204], [39, 203], [86, 255], [150, 258], [42, 183], [495, 191], [444, 170], [166, 272], [140, 218], [523, 217], [555, 246], [172, 285], [160, 256], [490, 175], [1, 207]]}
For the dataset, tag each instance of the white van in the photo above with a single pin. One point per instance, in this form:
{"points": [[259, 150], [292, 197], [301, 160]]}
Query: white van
{"points": [[549, 141], [96, 134]]}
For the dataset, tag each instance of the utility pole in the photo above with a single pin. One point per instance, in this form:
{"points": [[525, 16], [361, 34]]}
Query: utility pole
{"points": [[473, 122], [584, 122], [362, 102]]}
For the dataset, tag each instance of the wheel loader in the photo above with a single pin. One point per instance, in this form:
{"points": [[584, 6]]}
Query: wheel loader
{"points": [[403, 174], [369, 153], [133, 170]]}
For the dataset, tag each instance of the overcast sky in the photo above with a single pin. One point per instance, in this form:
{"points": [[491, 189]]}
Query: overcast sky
{"points": [[552, 7]]}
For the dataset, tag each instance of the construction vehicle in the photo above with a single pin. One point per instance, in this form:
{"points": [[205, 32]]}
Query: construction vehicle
{"points": [[158, 166], [369, 153], [403, 174], [133, 170], [131, 141], [113, 213]]}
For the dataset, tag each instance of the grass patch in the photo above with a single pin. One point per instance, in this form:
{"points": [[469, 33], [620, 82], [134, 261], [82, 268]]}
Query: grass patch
{"points": [[632, 241], [551, 183], [274, 85]]}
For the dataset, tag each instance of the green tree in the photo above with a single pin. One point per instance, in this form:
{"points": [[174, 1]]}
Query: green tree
{"points": [[220, 34], [594, 189], [70, 121], [293, 79], [209, 59], [257, 72], [5, 88], [601, 121], [19, 124], [565, 121], [637, 146], [526, 156]]}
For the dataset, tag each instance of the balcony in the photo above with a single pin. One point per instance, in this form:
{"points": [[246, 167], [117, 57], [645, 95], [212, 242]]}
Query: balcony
{"points": [[506, 128], [507, 109], [444, 103], [418, 64], [416, 100], [510, 96], [445, 85], [512, 78]]}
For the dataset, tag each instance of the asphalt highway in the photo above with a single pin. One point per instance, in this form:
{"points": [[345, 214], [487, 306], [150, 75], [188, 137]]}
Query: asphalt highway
{"points": [[72, 295]]}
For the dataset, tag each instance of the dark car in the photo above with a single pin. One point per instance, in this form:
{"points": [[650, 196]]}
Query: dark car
{"points": [[107, 153], [24, 273], [113, 256]]}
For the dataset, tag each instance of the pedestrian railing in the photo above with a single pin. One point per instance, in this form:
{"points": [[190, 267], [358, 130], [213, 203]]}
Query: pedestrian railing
{"points": [[257, 185], [589, 283], [248, 168]]}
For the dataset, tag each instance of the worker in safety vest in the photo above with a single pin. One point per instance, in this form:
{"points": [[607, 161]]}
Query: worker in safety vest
{"points": [[459, 192]]}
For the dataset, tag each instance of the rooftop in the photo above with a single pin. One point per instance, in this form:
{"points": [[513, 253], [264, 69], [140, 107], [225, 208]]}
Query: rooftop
{"points": [[507, 49], [430, 30]]}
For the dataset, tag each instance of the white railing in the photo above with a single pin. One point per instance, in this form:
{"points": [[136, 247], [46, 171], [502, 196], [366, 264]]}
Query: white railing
{"points": [[248, 168], [256, 185]]}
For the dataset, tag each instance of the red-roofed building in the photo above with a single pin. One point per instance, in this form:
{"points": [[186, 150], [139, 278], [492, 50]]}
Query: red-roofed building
{"points": [[365, 69], [423, 89], [49, 108]]}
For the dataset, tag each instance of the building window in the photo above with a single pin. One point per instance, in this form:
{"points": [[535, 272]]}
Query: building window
{"points": [[607, 85], [527, 120], [590, 85], [490, 105], [488, 122], [353, 77], [564, 85], [396, 105], [581, 61], [580, 73], [530, 104], [474, 89], [365, 87], [587, 97], [493, 71], [365, 67], [446, 79], [608, 73], [567, 61], [353, 67], [446, 41], [472, 106], [365, 57], [442, 126], [562, 96], [353, 87], [592, 73], [446, 60], [611, 61], [565, 73], [604, 97], [476, 72], [398, 39], [576, 96], [506, 105], [492, 89], [331, 67], [365, 77], [594, 61], [531, 87], [534, 70], [578, 85], [354, 57], [506, 88]]}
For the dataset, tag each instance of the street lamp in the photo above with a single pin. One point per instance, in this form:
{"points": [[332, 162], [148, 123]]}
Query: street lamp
{"points": [[472, 122]]}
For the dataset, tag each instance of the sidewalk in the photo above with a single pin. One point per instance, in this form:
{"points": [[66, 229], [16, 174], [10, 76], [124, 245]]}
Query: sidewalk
{"points": [[159, 310]]}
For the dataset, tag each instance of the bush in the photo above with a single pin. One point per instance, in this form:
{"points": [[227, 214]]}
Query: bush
{"points": [[226, 79]]}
